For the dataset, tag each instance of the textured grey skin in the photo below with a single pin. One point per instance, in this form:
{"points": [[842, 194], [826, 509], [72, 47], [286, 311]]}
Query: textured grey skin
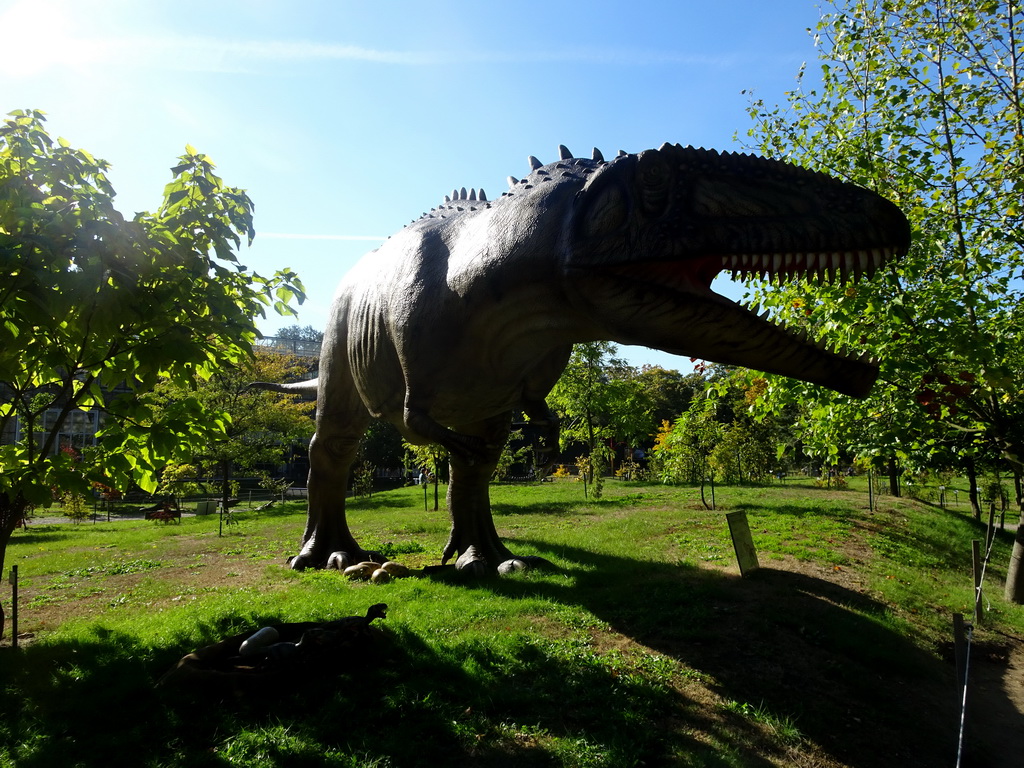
{"points": [[469, 313]]}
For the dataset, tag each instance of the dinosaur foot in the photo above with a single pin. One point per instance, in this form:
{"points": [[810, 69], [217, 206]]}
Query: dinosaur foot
{"points": [[472, 563], [341, 560], [337, 560]]}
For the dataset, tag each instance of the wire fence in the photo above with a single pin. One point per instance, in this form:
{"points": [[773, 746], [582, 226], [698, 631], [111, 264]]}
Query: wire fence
{"points": [[963, 632]]}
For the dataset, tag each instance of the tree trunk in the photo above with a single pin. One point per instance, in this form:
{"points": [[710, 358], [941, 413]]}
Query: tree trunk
{"points": [[1015, 570], [11, 512], [972, 493], [1017, 491], [894, 477], [225, 490]]}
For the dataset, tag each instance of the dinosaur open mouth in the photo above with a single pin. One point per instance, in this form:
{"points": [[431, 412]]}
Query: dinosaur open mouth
{"points": [[699, 273], [836, 265]]}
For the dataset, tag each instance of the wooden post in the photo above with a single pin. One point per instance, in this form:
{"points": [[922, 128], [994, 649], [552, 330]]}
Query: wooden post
{"points": [[976, 558], [14, 606], [959, 651], [871, 493], [991, 528], [742, 542]]}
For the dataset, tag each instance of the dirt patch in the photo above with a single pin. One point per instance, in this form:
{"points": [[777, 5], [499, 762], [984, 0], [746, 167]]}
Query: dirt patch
{"points": [[48, 603]]}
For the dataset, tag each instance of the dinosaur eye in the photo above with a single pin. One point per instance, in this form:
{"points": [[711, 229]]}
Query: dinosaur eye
{"points": [[655, 184]]}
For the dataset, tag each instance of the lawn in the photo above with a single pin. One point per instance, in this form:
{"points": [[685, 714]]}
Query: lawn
{"points": [[643, 646]]}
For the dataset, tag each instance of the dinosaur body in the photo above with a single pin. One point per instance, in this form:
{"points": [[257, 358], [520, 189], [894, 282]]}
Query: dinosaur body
{"points": [[469, 313]]}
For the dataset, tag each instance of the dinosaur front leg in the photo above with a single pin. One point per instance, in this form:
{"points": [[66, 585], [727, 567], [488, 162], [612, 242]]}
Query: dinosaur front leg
{"points": [[473, 535]]}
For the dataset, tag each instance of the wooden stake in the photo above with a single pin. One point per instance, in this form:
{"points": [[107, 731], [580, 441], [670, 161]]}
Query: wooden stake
{"points": [[14, 605], [976, 558], [959, 650], [742, 542]]}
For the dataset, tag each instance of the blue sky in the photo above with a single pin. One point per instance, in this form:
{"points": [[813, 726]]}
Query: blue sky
{"points": [[346, 120]]}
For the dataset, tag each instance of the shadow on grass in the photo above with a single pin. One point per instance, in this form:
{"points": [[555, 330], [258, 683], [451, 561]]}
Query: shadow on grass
{"points": [[407, 703], [809, 651], [44, 534], [580, 506], [806, 650]]}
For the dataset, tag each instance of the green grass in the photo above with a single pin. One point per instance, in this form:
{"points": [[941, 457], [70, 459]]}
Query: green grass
{"points": [[641, 646]]}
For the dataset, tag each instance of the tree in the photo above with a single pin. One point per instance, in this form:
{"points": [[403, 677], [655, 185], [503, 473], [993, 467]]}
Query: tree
{"points": [[682, 451], [260, 427], [96, 308], [600, 399], [920, 100], [668, 390], [430, 457], [301, 333]]}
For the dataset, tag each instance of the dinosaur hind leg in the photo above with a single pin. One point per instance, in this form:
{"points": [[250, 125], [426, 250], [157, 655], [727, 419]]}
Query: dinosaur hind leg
{"points": [[331, 454], [473, 535]]}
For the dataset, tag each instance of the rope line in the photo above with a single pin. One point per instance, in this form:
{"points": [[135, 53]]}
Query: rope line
{"points": [[978, 594], [963, 696]]}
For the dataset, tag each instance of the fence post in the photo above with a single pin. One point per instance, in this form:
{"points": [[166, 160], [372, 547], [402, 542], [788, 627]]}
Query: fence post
{"points": [[959, 650], [976, 560], [14, 605], [742, 542]]}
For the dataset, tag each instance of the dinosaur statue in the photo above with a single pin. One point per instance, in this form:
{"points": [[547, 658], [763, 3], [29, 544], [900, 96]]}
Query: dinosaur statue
{"points": [[469, 313]]}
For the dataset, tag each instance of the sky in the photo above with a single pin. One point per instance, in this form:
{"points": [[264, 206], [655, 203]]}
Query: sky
{"points": [[344, 121]]}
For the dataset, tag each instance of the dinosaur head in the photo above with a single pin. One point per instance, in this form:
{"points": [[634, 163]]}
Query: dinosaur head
{"points": [[649, 233]]}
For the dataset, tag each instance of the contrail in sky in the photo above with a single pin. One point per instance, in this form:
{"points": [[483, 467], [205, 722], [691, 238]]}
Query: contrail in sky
{"points": [[289, 236]]}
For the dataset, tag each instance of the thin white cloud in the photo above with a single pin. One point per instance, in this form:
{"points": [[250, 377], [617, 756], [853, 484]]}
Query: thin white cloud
{"points": [[295, 236], [199, 51], [220, 55], [196, 49]]}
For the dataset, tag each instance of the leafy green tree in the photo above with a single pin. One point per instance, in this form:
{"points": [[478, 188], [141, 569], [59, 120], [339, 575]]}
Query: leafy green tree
{"points": [[600, 399], [431, 457], [96, 309], [668, 391], [301, 333], [260, 427], [682, 451], [920, 100], [745, 452], [382, 445]]}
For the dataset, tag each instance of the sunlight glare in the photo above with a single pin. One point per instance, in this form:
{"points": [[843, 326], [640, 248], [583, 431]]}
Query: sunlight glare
{"points": [[40, 36]]}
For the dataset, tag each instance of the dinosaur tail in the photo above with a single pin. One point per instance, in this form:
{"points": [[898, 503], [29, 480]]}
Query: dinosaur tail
{"points": [[305, 388]]}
